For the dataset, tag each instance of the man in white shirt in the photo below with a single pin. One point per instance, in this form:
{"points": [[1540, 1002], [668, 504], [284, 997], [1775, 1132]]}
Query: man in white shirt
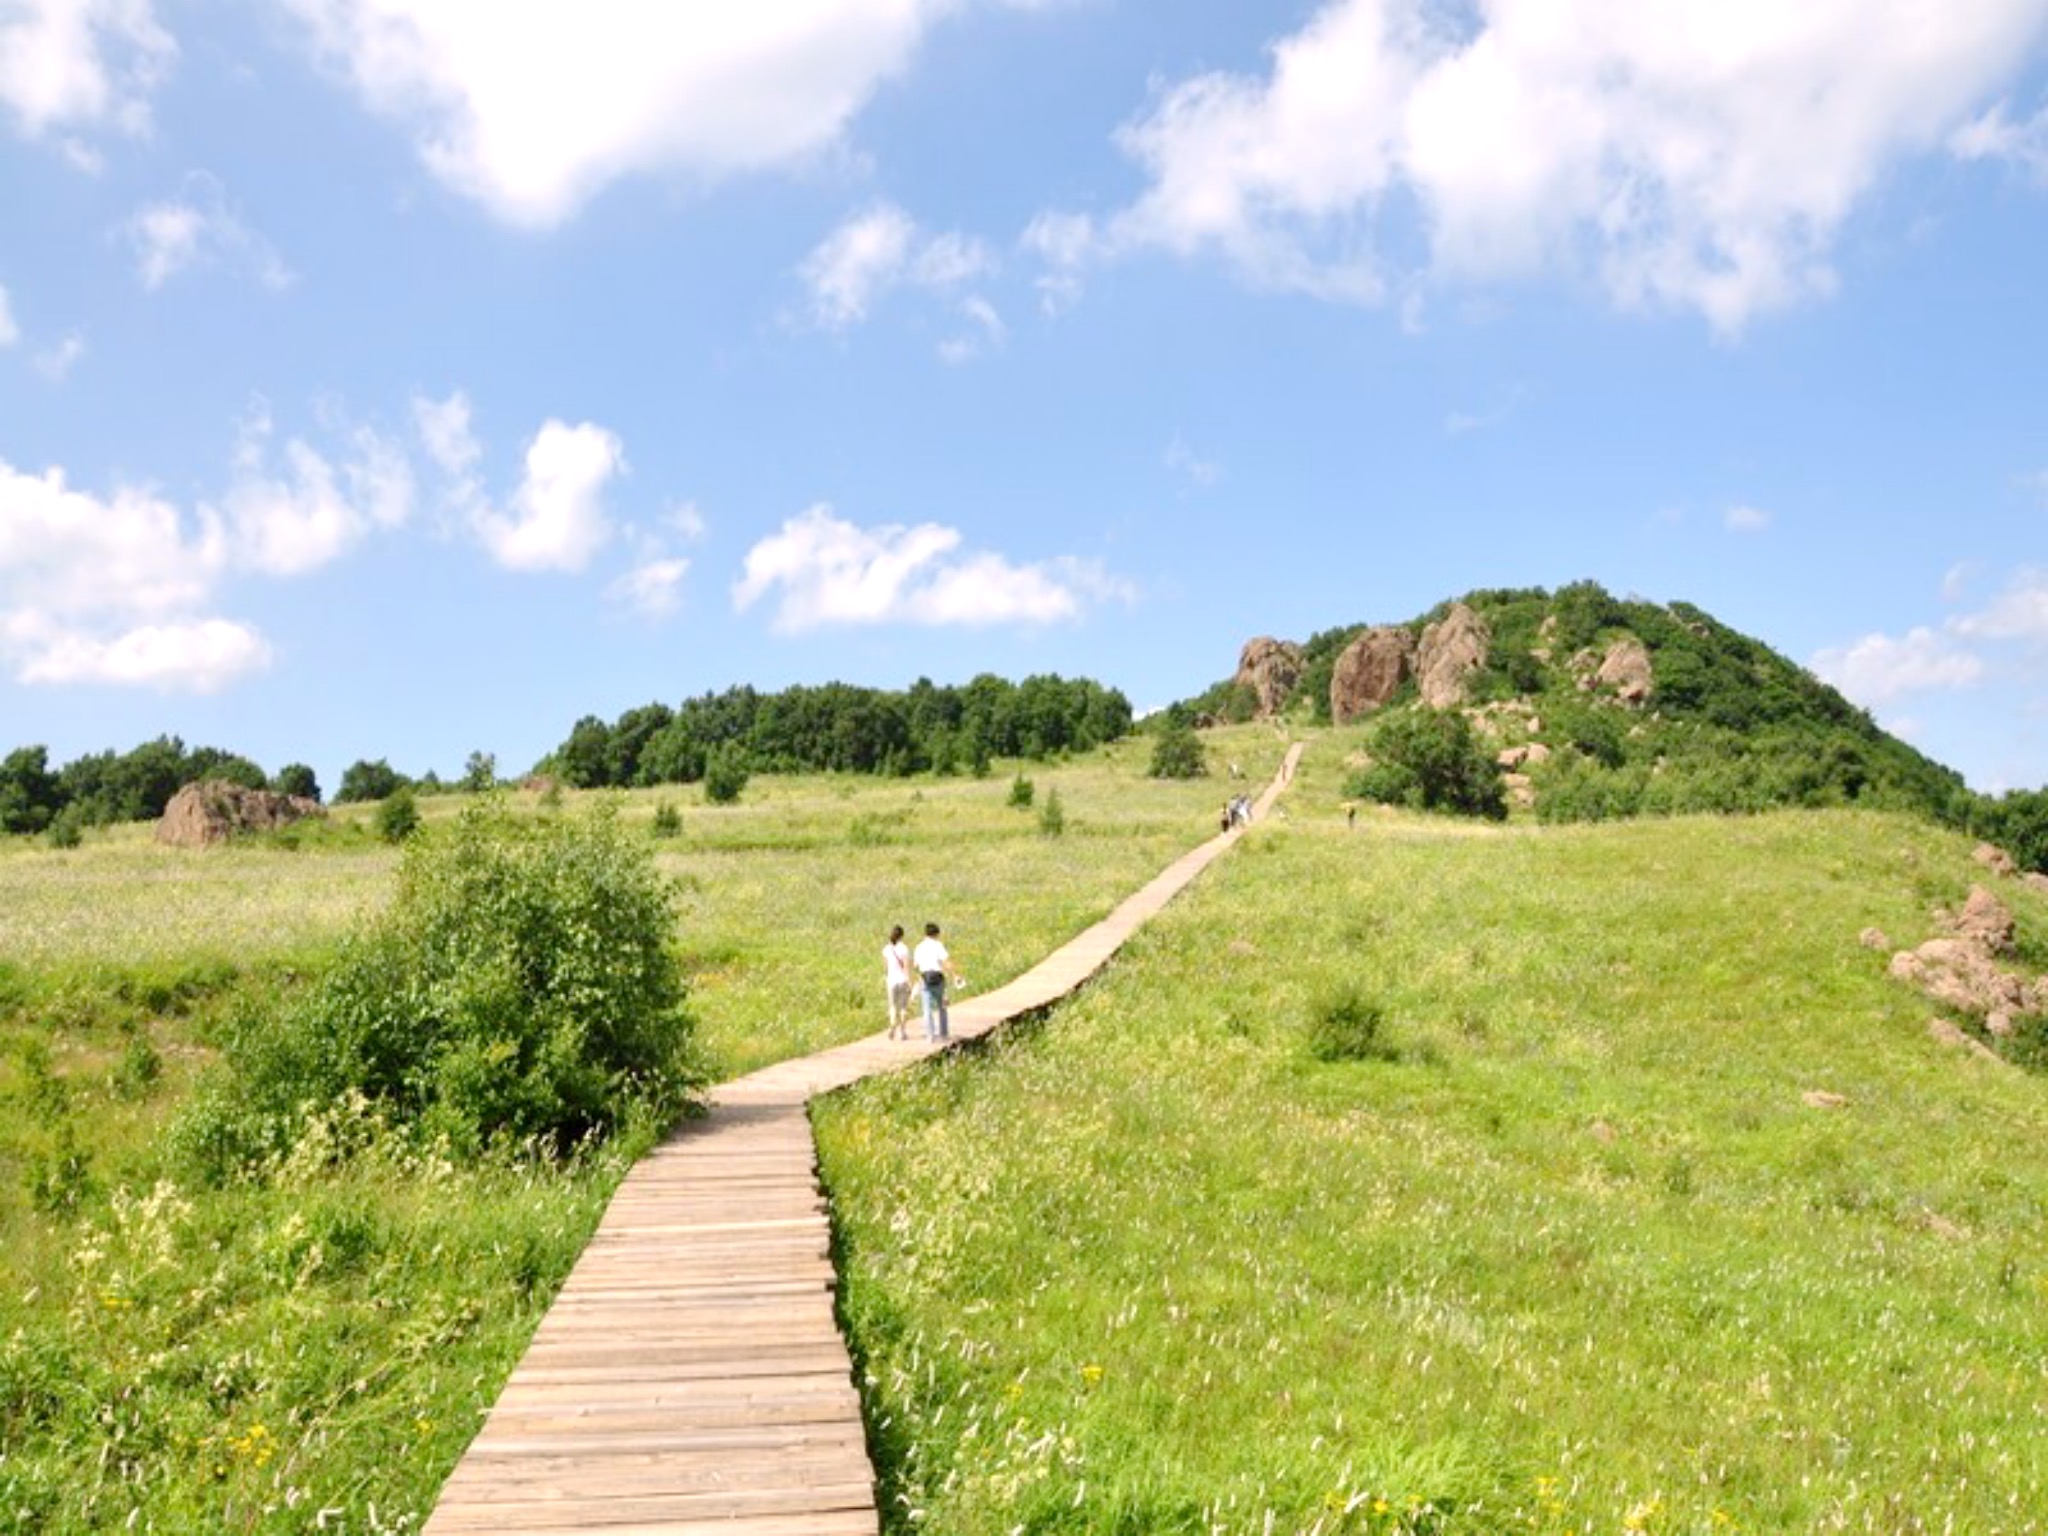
{"points": [[896, 976], [934, 968]]}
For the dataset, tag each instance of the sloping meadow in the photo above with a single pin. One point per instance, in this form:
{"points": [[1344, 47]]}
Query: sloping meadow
{"points": [[1411, 1177], [311, 1343]]}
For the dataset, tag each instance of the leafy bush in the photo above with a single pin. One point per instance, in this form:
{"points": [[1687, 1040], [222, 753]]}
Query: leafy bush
{"points": [[399, 816], [296, 779], [523, 986], [1178, 753], [1052, 816], [668, 821], [364, 780], [725, 775], [1021, 792], [1347, 1026], [68, 829], [1431, 760]]}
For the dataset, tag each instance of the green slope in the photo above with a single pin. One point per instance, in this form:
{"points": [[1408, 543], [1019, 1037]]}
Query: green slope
{"points": [[1580, 1256]]}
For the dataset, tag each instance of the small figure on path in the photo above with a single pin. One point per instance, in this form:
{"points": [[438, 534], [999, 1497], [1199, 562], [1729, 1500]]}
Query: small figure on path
{"points": [[1351, 816], [896, 976], [934, 968], [1229, 814]]}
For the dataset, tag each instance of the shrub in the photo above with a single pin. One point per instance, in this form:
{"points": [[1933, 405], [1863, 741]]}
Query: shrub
{"points": [[1431, 760], [296, 779], [1347, 1026], [523, 986], [725, 775], [1052, 816], [68, 829], [365, 780], [668, 821], [1021, 792], [399, 816], [1177, 754]]}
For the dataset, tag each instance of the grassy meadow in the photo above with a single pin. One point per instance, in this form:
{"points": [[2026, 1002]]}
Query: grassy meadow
{"points": [[312, 1347], [1554, 1243]]}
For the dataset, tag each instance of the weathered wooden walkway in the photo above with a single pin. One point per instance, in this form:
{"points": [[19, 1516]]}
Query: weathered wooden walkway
{"points": [[690, 1377]]}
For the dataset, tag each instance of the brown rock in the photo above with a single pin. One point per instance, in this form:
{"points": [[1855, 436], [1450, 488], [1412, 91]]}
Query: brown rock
{"points": [[1270, 668], [1820, 1098], [1985, 921], [213, 810], [1452, 649], [1626, 669], [1528, 753], [1950, 1034], [1602, 1132], [1873, 938], [2000, 1023], [2034, 880], [1370, 672], [1995, 859]]}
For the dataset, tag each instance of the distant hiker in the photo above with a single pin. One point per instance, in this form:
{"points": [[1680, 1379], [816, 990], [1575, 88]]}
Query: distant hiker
{"points": [[896, 976], [1229, 814], [1351, 816], [934, 968]]}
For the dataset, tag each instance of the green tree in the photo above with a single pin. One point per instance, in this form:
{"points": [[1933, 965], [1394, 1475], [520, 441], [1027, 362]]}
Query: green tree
{"points": [[364, 780], [30, 795], [296, 779], [1177, 753], [399, 816], [1431, 760], [725, 775], [480, 773]]}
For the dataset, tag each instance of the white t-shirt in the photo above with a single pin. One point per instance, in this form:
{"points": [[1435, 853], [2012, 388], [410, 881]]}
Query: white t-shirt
{"points": [[896, 963], [931, 955]]}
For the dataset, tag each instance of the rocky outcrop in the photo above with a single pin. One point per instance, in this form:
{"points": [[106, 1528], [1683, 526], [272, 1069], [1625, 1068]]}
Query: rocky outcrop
{"points": [[1270, 668], [1370, 672], [1528, 754], [1962, 972], [1984, 921], [1625, 670], [1452, 649], [1995, 859], [213, 810]]}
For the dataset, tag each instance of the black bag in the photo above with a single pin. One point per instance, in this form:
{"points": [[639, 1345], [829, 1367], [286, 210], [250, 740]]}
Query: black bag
{"points": [[934, 978]]}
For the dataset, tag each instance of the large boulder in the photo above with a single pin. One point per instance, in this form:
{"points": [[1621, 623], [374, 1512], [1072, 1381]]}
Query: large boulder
{"points": [[1452, 649], [1625, 670], [1270, 668], [213, 810], [1370, 672]]}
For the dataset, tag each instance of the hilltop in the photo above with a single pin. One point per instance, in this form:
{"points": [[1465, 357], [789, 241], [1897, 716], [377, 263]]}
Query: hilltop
{"points": [[1594, 707]]}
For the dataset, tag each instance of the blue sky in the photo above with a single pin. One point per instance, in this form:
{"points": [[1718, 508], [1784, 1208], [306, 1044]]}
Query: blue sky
{"points": [[401, 380]]}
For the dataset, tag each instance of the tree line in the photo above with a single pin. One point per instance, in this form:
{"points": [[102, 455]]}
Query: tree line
{"points": [[837, 727]]}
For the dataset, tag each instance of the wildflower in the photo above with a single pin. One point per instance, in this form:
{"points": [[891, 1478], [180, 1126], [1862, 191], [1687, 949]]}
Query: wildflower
{"points": [[1091, 1374]]}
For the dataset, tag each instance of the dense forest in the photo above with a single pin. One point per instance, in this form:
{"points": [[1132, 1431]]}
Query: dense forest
{"points": [[836, 727]]}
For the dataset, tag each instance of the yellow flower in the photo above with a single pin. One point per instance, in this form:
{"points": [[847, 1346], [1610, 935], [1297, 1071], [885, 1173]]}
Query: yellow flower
{"points": [[1091, 1374]]}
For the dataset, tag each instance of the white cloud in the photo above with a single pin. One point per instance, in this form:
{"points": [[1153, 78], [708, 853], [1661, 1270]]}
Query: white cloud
{"points": [[652, 589], [686, 521], [985, 331], [1994, 136], [828, 571], [10, 333], [74, 66], [199, 229], [290, 522], [57, 362], [2019, 613], [1644, 144], [1064, 243], [1955, 581], [557, 520], [444, 427], [107, 589], [861, 261], [1746, 519], [1184, 462], [532, 109], [1878, 669]]}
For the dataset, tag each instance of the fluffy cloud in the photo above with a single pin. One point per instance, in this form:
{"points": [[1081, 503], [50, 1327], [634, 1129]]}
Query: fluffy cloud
{"points": [[56, 362], [828, 571], [653, 589], [104, 589], [290, 521], [1746, 519], [2018, 613], [557, 520], [1879, 669], [199, 229], [69, 67], [531, 109], [880, 250], [1994, 136], [1645, 144]]}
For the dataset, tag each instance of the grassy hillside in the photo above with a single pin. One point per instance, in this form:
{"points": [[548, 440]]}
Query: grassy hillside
{"points": [[326, 1333], [1564, 1247]]}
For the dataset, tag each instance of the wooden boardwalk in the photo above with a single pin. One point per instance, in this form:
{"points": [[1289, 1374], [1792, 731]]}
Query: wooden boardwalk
{"points": [[690, 1377]]}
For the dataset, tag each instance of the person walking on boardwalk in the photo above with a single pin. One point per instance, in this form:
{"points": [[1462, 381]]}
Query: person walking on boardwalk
{"points": [[934, 969], [896, 977]]}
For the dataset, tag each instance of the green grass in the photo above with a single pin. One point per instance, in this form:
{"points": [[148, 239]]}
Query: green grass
{"points": [[327, 1335], [1567, 1251]]}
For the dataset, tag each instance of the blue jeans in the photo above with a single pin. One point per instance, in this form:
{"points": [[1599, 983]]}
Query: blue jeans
{"points": [[935, 1021]]}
